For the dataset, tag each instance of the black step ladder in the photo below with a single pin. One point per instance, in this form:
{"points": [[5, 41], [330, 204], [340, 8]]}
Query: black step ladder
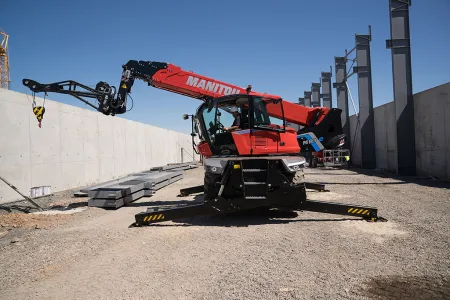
{"points": [[255, 174]]}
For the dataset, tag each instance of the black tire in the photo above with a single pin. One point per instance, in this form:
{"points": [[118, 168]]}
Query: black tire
{"points": [[211, 185], [314, 162], [296, 178]]}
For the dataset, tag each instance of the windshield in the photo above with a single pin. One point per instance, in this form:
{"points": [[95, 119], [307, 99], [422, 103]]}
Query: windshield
{"points": [[261, 117], [224, 117], [262, 106]]}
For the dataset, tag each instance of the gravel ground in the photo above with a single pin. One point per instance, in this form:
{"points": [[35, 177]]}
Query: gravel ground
{"points": [[94, 254]]}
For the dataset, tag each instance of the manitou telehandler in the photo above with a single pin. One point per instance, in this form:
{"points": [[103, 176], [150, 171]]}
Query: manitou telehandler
{"points": [[255, 166]]}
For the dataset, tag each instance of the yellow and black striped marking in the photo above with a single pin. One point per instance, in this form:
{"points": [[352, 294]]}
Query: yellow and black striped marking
{"points": [[359, 211], [155, 217], [39, 112]]}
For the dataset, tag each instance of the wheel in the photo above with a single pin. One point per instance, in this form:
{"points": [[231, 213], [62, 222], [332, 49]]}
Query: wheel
{"points": [[313, 162], [296, 178], [212, 185]]}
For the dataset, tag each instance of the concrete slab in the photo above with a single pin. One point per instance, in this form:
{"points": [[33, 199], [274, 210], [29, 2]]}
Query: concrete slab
{"points": [[115, 191], [116, 203]]}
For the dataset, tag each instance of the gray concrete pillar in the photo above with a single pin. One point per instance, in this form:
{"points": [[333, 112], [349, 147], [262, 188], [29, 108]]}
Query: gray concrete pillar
{"points": [[315, 90], [326, 89], [366, 115], [342, 96], [402, 81], [307, 98]]}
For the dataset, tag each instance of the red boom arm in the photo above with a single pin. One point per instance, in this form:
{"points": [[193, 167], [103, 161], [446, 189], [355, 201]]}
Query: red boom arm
{"points": [[174, 79]]}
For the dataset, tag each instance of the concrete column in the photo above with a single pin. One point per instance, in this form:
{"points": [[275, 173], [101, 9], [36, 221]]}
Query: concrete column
{"points": [[402, 79], [342, 96], [326, 89], [307, 98], [366, 115], [315, 89], [301, 101]]}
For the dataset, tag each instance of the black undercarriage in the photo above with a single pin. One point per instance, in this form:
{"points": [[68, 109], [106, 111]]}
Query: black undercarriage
{"points": [[246, 183]]}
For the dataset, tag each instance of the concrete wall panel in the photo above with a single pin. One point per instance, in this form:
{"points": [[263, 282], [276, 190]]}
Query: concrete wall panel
{"points": [[75, 147], [45, 143], [381, 137], [432, 133], [355, 139], [141, 155], [106, 169], [14, 133], [391, 135], [91, 171], [385, 137], [19, 176], [71, 137], [105, 137], [46, 174], [72, 174], [91, 147]]}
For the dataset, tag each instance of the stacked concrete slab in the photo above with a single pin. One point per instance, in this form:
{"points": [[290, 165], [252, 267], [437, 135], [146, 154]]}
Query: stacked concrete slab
{"points": [[120, 192]]}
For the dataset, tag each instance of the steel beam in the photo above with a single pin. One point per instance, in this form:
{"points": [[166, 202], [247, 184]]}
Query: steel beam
{"points": [[307, 98], [342, 96], [366, 115], [326, 89], [315, 89], [402, 82], [301, 101]]}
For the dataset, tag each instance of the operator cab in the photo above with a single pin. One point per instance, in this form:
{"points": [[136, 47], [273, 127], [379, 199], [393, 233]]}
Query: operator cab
{"points": [[237, 124]]}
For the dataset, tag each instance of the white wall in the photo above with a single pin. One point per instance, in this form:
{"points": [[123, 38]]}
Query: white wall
{"points": [[76, 147], [432, 134]]}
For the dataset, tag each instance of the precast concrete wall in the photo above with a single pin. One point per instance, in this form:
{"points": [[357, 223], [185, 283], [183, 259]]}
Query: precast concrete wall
{"points": [[432, 122], [432, 134], [76, 147]]}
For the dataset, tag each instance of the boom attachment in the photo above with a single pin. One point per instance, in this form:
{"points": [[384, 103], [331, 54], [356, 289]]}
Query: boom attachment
{"points": [[103, 92]]}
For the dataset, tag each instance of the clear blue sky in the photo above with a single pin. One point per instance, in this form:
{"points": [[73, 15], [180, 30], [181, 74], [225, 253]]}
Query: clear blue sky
{"points": [[279, 47]]}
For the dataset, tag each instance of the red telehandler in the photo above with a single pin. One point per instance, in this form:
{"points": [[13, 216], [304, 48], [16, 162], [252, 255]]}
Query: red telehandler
{"points": [[256, 166]]}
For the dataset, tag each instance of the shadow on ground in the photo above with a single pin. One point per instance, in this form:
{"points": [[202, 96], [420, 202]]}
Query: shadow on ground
{"points": [[410, 287], [423, 181], [248, 218]]}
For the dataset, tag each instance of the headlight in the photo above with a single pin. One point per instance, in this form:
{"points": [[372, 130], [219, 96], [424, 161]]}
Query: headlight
{"points": [[214, 165], [294, 164]]}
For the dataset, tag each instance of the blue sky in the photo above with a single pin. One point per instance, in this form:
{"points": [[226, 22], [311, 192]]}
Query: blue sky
{"points": [[279, 47]]}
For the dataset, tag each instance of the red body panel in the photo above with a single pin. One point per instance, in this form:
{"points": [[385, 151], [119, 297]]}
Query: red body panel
{"points": [[264, 142], [176, 80], [204, 149]]}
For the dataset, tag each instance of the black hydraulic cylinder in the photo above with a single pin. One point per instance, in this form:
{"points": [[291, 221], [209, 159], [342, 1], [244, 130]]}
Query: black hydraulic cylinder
{"points": [[402, 82]]}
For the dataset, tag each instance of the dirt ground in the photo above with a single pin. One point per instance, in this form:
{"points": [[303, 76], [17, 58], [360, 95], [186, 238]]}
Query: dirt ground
{"points": [[91, 253]]}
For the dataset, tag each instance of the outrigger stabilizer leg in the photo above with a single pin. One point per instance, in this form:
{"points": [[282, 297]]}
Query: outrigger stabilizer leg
{"points": [[247, 184]]}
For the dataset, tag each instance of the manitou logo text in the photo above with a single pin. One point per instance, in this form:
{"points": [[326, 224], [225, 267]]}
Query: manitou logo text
{"points": [[211, 86]]}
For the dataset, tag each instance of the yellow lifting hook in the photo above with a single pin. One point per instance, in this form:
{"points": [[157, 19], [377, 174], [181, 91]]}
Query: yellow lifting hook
{"points": [[39, 110]]}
